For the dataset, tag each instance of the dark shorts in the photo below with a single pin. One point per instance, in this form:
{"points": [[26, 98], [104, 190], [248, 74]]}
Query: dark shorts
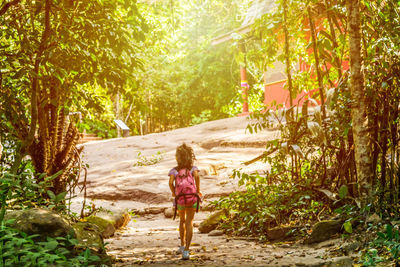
{"points": [[180, 207]]}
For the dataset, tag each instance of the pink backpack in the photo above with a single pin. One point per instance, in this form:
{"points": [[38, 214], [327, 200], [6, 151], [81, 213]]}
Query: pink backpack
{"points": [[185, 189]]}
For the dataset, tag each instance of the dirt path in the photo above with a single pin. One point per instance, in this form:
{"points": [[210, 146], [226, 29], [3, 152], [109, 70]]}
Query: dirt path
{"points": [[115, 182], [153, 240]]}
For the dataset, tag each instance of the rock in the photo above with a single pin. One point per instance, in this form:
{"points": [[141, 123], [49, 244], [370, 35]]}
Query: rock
{"points": [[210, 144], [341, 262], [305, 261], [154, 210], [211, 222], [89, 235], [374, 218], [169, 212], [216, 233], [207, 207], [106, 227], [203, 172], [324, 230], [141, 212], [119, 219], [351, 247], [45, 223], [328, 243], [279, 232]]}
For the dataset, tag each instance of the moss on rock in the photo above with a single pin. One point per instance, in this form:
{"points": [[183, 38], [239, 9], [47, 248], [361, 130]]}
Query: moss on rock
{"points": [[106, 227]]}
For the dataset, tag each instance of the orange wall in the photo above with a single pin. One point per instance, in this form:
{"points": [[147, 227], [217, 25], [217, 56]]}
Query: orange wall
{"points": [[278, 93]]}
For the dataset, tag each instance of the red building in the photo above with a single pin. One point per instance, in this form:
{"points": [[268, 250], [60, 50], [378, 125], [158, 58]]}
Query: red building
{"points": [[275, 79]]}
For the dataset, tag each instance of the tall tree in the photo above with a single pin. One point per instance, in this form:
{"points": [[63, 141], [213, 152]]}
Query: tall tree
{"points": [[362, 143], [49, 50]]}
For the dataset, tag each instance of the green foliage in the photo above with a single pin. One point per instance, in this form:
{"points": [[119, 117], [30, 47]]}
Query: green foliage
{"points": [[24, 191], [255, 100], [203, 117], [53, 54], [151, 160], [385, 247], [298, 163], [19, 249], [183, 74], [343, 190], [262, 204], [348, 227], [100, 128], [371, 258]]}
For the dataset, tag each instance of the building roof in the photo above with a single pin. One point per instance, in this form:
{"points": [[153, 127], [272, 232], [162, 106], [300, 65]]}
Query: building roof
{"points": [[255, 11]]}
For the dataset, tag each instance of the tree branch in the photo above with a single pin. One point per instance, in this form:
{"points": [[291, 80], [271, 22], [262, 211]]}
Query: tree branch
{"points": [[34, 93], [4, 9]]}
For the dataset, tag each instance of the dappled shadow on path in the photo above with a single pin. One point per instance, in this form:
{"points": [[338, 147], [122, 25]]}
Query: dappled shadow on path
{"points": [[153, 240]]}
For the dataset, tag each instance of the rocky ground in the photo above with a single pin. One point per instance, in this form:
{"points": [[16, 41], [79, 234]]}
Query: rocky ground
{"points": [[116, 181], [153, 240]]}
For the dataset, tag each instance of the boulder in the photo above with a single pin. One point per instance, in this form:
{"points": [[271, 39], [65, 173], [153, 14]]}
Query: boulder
{"points": [[45, 223], [216, 233], [341, 262], [154, 210], [169, 212], [280, 232], [211, 222], [119, 219], [106, 227], [89, 235], [324, 230]]}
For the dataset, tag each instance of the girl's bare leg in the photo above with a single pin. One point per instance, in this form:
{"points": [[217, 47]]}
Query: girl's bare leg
{"points": [[182, 226], [189, 226]]}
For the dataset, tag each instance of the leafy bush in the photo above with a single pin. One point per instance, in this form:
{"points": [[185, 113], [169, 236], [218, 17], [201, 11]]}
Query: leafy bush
{"points": [[24, 191], [263, 205], [302, 170], [385, 247], [19, 249]]}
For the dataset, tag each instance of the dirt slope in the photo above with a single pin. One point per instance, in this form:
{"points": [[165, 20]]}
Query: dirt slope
{"points": [[220, 146]]}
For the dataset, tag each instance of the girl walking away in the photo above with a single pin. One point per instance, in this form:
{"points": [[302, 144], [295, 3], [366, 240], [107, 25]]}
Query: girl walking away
{"points": [[184, 182]]}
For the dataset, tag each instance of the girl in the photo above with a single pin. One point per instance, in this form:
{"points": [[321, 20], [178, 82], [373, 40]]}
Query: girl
{"points": [[184, 158]]}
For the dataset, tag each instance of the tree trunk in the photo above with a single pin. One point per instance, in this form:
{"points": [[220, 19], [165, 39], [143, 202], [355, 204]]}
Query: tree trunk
{"points": [[317, 69], [118, 110], [287, 55], [360, 129]]}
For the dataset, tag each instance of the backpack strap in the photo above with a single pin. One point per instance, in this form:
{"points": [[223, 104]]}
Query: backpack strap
{"points": [[184, 195], [176, 207]]}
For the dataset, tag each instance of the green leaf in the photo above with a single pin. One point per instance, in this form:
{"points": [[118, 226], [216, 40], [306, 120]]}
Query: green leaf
{"points": [[389, 231], [51, 245], [51, 194], [343, 190], [61, 196], [348, 227]]}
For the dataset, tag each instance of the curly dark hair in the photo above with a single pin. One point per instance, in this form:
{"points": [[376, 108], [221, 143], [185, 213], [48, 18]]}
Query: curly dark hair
{"points": [[184, 157]]}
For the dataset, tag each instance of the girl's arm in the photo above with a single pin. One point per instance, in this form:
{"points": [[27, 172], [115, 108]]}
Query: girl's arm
{"points": [[197, 180], [171, 184]]}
